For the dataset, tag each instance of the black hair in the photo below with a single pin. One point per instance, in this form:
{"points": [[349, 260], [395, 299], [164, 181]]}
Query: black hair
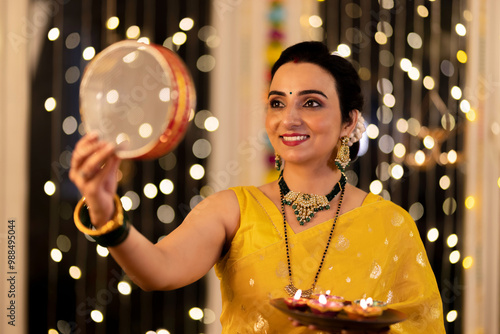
{"points": [[347, 82]]}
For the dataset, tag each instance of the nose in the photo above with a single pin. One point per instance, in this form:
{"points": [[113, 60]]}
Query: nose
{"points": [[291, 117]]}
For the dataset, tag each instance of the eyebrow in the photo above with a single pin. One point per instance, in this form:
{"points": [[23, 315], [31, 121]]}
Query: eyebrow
{"points": [[303, 92]]}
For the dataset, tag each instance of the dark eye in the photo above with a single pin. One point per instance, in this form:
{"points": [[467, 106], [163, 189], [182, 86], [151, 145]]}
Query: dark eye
{"points": [[276, 104], [311, 103]]}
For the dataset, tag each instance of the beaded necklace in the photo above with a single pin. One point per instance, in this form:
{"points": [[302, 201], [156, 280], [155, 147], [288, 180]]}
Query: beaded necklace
{"points": [[290, 288], [305, 206]]}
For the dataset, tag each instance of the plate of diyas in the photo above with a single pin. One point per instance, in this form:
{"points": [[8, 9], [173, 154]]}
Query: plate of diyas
{"points": [[328, 312]]}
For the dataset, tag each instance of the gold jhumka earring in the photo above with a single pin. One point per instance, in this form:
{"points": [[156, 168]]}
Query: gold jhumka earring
{"points": [[343, 159], [277, 162]]}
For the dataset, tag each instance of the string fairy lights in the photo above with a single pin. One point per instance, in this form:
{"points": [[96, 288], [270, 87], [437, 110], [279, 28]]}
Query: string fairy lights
{"points": [[87, 291], [416, 132]]}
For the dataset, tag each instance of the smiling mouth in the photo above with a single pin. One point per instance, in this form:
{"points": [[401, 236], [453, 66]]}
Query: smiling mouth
{"points": [[294, 138]]}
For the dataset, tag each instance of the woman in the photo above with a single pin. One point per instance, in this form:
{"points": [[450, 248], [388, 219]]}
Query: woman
{"points": [[265, 242]]}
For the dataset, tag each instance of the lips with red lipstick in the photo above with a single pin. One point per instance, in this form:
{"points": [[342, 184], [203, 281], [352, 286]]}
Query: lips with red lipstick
{"points": [[293, 139]]}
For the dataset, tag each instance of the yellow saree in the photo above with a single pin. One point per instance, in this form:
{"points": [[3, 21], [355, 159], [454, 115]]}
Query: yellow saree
{"points": [[376, 251]]}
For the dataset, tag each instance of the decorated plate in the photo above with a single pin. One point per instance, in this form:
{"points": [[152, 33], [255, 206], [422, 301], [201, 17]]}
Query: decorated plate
{"points": [[341, 320]]}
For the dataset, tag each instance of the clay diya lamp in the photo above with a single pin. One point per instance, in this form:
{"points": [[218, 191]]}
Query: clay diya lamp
{"points": [[325, 307], [362, 310], [296, 302], [375, 303], [330, 298]]}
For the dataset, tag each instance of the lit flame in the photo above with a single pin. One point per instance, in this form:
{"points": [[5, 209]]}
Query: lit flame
{"points": [[297, 294], [363, 304], [369, 301], [322, 299], [327, 292]]}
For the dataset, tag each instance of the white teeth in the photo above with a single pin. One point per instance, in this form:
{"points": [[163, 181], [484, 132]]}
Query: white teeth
{"points": [[294, 138]]}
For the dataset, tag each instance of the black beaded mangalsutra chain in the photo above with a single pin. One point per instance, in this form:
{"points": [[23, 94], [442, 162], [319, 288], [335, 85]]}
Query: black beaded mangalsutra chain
{"points": [[305, 206], [290, 288]]}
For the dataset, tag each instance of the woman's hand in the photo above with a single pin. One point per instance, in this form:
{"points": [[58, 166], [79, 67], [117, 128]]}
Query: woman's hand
{"points": [[378, 331], [94, 167], [297, 323]]}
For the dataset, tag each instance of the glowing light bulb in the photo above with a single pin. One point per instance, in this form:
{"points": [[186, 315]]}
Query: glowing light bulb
{"points": [[454, 257], [49, 188], [452, 240], [179, 38], [467, 262], [75, 272], [399, 150], [196, 313], [433, 234], [211, 124], [405, 64], [414, 73], [428, 82], [96, 316], [166, 186], [376, 187], [50, 104], [102, 251], [456, 92], [420, 157], [465, 106], [444, 182], [112, 23], [197, 171], [124, 288], [451, 316], [460, 29], [462, 56], [315, 21], [429, 142], [150, 190], [471, 115], [56, 255], [452, 156], [470, 202], [53, 34], [126, 203], [186, 24], [133, 32], [344, 50], [372, 131], [88, 53]]}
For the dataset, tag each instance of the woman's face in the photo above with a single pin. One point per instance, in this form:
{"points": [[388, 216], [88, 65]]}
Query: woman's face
{"points": [[303, 120]]}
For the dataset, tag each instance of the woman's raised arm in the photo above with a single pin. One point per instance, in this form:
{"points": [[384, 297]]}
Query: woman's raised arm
{"points": [[183, 256], [186, 254]]}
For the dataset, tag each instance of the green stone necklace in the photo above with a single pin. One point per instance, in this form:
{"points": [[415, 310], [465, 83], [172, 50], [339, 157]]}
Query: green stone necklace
{"points": [[305, 206], [290, 288]]}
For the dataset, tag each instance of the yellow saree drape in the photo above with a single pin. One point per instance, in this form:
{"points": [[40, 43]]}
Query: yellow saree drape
{"points": [[376, 251]]}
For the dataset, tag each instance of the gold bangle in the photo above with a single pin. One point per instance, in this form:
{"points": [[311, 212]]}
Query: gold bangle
{"points": [[111, 225]]}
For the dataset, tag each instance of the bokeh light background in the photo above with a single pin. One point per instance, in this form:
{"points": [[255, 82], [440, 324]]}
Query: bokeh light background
{"points": [[411, 57]]}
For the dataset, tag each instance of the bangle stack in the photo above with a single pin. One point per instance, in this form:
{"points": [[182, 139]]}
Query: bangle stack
{"points": [[113, 233]]}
